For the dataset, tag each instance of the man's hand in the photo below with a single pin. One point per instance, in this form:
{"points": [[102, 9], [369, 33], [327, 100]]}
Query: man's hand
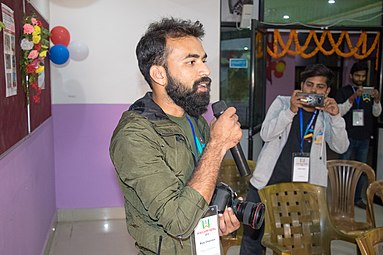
{"points": [[376, 95], [356, 94], [228, 222], [226, 132], [295, 101], [330, 106]]}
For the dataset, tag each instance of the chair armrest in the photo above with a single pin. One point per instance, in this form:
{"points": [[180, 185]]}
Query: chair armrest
{"points": [[277, 249]]}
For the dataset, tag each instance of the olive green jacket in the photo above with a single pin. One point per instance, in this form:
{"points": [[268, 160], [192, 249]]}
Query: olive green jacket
{"points": [[154, 162]]}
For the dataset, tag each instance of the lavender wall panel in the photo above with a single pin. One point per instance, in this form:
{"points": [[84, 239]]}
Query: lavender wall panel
{"points": [[27, 193], [85, 176]]}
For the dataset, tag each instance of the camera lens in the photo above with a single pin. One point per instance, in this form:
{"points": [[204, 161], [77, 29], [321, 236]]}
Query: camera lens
{"points": [[249, 213]]}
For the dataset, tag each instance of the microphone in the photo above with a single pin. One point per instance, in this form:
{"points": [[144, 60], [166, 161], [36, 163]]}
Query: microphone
{"points": [[239, 158]]}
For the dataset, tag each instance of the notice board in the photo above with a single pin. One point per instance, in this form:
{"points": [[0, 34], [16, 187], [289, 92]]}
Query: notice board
{"points": [[14, 111]]}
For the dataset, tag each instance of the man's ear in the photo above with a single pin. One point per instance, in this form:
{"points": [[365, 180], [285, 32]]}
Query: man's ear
{"points": [[158, 75], [328, 91]]}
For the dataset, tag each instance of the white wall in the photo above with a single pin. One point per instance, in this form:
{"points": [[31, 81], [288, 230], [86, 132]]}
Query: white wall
{"points": [[111, 29], [42, 6]]}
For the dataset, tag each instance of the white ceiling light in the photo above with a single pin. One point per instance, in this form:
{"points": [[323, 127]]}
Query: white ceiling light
{"points": [[331, 1], [286, 16]]}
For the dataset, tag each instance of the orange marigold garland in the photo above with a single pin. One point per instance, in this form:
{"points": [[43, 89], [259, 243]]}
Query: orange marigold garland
{"points": [[34, 44], [300, 50]]}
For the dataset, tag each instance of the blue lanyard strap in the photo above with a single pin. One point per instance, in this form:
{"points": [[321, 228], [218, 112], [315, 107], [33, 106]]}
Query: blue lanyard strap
{"points": [[356, 99], [197, 143], [308, 126]]}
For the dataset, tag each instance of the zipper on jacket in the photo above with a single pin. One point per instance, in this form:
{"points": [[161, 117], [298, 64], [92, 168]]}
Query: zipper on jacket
{"points": [[181, 243]]}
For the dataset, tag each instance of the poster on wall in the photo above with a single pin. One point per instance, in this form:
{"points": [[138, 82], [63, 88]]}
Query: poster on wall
{"points": [[9, 51]]}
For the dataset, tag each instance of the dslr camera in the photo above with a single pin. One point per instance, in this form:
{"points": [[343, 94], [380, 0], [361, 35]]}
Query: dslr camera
{"points": [[248, 213], [314, 100]]}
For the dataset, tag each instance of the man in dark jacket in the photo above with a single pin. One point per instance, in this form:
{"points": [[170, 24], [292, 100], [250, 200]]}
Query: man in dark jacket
{"points": [[166, 156], [359, 107]]}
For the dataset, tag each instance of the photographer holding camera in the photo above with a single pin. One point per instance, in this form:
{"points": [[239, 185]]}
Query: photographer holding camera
{"points": [[360, 107], [165, 154], [295, 131]]}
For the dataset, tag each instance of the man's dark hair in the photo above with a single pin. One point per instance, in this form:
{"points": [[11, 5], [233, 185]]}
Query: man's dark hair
{"points": [[318, 70], [359, 66], [151, 48]]}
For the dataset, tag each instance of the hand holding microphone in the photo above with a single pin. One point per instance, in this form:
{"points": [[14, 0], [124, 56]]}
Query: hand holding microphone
{"points": [[237, 153]]}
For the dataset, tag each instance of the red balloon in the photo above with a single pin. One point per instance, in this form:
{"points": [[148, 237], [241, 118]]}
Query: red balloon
{"points": [[60, 35]]}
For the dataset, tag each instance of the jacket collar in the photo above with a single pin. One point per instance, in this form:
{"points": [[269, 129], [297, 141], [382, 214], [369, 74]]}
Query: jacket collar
{"points": [[146, 107]]}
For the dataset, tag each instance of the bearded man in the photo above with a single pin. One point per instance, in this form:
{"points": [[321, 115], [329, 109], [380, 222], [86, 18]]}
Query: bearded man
{"points": [[165, 154]]}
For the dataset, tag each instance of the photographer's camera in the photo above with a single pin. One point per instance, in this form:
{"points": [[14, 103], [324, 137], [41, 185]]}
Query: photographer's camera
{"points": [[248, 213]]}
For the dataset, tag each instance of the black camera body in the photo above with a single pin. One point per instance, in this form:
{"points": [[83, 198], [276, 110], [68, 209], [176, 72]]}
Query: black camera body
{"points": [[248, 213], [314, 100]]}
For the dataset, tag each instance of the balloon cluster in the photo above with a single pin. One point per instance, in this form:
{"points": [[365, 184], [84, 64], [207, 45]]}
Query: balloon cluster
{"points": [[277, 66], [64, 49]]}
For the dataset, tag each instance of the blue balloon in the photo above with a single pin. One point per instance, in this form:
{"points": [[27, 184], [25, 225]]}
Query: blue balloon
{"points": [[59, 54]]}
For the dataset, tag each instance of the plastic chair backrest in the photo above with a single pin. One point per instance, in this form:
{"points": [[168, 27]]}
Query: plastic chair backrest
{"points": [[229, 174], [297, 219], [343, 179], [375, 188], [371, 242]]}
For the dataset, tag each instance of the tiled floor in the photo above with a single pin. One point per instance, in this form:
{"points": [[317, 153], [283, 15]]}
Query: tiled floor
{"points": [[103, 237]]}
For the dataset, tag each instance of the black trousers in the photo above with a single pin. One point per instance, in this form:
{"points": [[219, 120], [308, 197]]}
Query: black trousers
{"points": [[251, 240]]}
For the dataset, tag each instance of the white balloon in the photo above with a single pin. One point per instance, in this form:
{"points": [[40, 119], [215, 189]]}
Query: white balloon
{"points": [[78, 51]]}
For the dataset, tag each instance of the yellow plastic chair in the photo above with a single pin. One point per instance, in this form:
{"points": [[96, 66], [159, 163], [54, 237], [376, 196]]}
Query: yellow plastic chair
{"points": [[375, 188], [371, 242], [297, 220], [229, 174], [343, 178]]}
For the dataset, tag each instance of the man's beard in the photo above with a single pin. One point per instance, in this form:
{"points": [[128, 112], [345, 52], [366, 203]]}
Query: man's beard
{"points": [[193, 102]]}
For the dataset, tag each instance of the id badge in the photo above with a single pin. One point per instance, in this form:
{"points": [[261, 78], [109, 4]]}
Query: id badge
{"points": [[301, 167], [206, 234], [357, 117]]}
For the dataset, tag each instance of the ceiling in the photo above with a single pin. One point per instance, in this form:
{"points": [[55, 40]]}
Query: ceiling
{"points": [[321, 12], [342, 12]]}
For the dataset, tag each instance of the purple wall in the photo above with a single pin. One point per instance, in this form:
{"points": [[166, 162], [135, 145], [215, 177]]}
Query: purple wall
{"points": [[85, 176], [284, 85], [27, 193]]}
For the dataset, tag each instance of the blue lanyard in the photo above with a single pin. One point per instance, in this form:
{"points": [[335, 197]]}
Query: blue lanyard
{"points": [[358, 98], [197, 143], [308, 126]]}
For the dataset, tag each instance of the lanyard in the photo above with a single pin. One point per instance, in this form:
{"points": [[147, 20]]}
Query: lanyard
{"points": [[197, 143], [358, 98], [308, 126]]}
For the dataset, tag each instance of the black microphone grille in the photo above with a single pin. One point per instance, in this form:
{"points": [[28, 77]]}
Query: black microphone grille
{"points": [[218, 108]]}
